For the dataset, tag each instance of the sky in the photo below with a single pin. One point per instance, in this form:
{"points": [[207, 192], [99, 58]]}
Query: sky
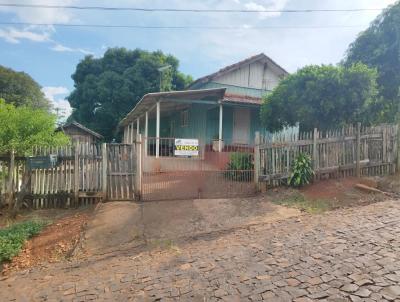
{"points": [[50, 53]]}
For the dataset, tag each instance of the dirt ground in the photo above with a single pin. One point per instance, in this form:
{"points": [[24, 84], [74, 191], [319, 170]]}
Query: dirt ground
{"points": [[342, 190], [389, 184], [56, 241]]}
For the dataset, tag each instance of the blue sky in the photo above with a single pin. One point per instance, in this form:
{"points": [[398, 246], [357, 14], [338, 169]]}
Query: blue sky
{"points": [[50, 54]]}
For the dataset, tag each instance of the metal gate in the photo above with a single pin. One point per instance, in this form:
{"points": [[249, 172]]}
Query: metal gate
{"points": [[121, 171], [211, 174]]}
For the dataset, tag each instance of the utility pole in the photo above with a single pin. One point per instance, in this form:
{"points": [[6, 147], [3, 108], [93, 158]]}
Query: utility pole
{"points": [[161, 70]]}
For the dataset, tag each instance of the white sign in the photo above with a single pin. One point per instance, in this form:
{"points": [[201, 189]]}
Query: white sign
{"points": [[186, 147]]}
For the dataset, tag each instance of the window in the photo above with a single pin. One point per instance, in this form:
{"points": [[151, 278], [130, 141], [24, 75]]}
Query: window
{"points": [[185, 118]]}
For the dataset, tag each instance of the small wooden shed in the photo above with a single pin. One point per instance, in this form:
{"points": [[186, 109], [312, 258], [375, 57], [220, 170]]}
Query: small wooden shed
{"points": [[79, 133]]}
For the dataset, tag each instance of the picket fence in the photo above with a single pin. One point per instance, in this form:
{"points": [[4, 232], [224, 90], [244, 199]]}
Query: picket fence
{"points": [[87, 173], [83, 175], [348, 151]]}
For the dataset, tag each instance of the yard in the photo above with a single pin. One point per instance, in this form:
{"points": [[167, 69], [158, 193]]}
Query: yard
{"points": [[328, 240]]}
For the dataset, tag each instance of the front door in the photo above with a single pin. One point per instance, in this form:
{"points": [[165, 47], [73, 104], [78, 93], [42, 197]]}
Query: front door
{"points": [[241, 125]]}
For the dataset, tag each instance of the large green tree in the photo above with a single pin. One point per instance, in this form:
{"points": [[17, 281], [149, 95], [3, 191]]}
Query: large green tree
{"points": [[23, 127], [322, 96], [107, 88], [379, 47], [20, 89]]}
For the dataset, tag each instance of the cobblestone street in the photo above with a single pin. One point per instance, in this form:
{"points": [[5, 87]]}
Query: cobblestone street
{"points": [[346, 255]]}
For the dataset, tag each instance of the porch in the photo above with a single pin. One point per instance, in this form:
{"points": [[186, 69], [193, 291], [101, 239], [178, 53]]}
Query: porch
{"points": [[202, 115], [188, 140]]}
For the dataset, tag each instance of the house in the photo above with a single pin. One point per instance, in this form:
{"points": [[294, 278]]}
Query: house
{"points": [[79, 133], [221, 108]]}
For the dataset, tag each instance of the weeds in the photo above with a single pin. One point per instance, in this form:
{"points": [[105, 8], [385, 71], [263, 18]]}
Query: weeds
{"points": [[297, 200], [13, 237]]}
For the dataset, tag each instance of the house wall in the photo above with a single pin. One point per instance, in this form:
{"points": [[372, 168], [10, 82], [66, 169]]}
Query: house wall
{"points": [[203, 124], [257, 75], [77, 135]]}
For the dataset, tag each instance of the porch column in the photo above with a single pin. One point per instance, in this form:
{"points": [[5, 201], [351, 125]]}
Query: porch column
{"points": [[220, 128], [146, 132], [137, 128], [158, 129]]}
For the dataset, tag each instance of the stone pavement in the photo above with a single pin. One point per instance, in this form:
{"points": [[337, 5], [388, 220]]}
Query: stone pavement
{"points": [[347, 255]]}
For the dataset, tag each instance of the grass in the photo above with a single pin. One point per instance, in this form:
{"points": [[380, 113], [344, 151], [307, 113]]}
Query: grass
{"points": [[297, 200], [13, 237]]}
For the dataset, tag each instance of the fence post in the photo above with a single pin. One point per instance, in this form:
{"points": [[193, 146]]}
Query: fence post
{"points": [[315, 151], [76, 174], [139, 145], [10, 186], [358, 150], [257, 160], [104, 160]]}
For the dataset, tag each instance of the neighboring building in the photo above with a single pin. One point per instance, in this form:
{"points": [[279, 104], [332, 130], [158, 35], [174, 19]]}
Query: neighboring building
{"points": [[79, 133], [221, 110]]}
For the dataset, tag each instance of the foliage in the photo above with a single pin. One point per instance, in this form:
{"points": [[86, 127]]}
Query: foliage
{"points": [[321, 96], [240, 166], [13, 238], [107, 88], [298, 201], [302, 172], [20, 89], [21, 128], [379, 47]]}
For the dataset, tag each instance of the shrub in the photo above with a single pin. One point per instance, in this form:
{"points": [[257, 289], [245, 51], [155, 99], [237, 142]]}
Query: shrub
{"points": [[13, 238], [302, 171], [240, 166]]}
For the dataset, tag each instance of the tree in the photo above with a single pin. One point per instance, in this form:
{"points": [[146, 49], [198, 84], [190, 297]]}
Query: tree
{"points": [[20, 89], [379, 47], [21, 128], [107, 88], [322, 96]]}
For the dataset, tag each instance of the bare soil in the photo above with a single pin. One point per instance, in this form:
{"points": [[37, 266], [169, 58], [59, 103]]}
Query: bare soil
{"points": [[56, 241], [342, 192], [389, 184]]}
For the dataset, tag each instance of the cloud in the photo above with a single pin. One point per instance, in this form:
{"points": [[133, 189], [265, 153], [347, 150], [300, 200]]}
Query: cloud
{"points": [[61, 48], [41, 15], [56, 94], [39, 33], [269, 5], [13, 35]]}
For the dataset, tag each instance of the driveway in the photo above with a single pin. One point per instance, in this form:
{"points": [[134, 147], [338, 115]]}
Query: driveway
{"points": [[345, 255], [123, 225]]}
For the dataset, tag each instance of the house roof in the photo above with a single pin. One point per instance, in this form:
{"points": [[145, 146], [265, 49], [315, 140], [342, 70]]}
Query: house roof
{"points": [[259, 57], [240, 99], [80, 126], [149, 100]]}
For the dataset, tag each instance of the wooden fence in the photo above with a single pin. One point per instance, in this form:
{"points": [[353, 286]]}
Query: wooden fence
{"points": [[82, 174], [349, 151]]}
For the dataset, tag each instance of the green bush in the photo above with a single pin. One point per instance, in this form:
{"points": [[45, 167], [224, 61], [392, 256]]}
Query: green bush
{"points": [[240, 167], [302, 172], [13, 238]]}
